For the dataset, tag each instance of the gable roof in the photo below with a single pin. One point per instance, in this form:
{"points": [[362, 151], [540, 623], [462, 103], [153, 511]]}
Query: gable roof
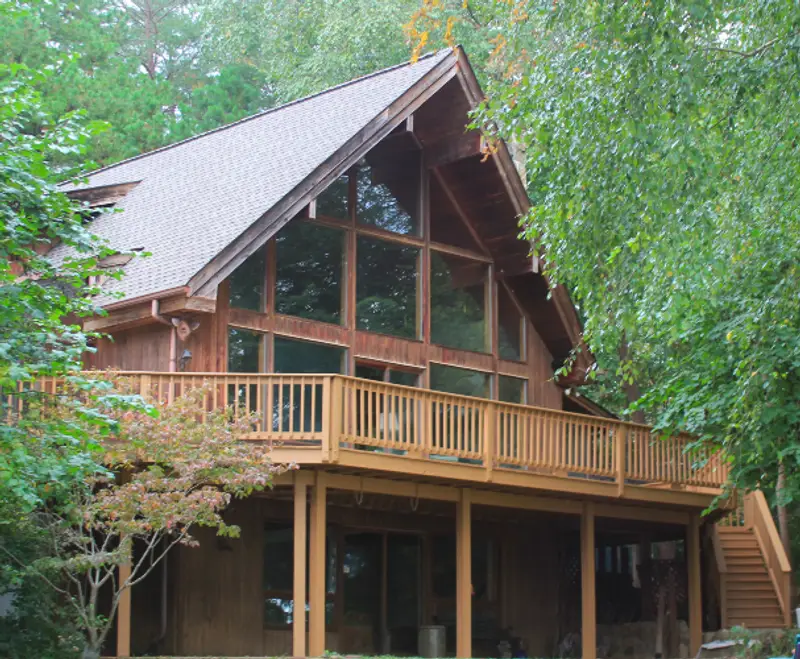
{"points": [[195, 200]]}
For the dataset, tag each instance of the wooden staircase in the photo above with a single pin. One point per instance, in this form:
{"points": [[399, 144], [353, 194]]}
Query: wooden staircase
{"points": [[754, 571]]}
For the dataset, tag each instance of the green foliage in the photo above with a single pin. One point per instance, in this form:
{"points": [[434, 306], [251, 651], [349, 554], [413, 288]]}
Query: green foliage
{"points": [[36, 294], [134, 514], [37, 624], [661, 142]]}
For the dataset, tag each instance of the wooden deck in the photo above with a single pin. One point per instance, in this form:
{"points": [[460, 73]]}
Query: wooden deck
{"points": [[357, 425]]}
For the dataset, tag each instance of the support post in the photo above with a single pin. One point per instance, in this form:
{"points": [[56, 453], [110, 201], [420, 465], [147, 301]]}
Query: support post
{"points": [[588, 597], [299, 578], [124, 614], [695, 591], [464, 576], [316, 569]]}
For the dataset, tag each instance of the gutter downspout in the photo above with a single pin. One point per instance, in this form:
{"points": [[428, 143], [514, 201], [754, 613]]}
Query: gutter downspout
{"points": [[173, 367], [155, 313]]}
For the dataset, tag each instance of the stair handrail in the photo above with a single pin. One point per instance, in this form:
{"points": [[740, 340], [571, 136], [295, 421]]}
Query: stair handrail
{"points": [[775, 557]]}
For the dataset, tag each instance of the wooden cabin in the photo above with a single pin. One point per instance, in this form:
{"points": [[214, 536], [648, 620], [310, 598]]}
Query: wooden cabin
{"points": [[349, 266]]}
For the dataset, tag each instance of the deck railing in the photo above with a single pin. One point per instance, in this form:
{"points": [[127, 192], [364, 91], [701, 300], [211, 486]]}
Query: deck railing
{"points": [[340, 412]]}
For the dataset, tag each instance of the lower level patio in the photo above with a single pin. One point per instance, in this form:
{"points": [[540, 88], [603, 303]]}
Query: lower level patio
{"points": [[371, 560]]}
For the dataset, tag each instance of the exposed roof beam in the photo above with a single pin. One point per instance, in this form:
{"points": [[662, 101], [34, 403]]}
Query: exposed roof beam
{"points": [[449, 150]]}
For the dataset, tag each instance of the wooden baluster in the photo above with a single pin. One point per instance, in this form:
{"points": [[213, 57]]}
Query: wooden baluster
{"points": [[490, 412], [302, 428]]}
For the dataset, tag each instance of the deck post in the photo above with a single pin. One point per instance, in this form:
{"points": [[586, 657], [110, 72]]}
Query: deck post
{"points": [[694, 591], [316, 569], [124, 614], [464, 576], [299, 578], [588, 596]]}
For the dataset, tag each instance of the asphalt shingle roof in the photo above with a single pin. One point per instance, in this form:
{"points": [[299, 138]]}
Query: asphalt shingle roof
{"points": [[197, 196]]}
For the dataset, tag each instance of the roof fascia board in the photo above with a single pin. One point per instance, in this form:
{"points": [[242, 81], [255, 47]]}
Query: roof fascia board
{"points": [[206, 280]]}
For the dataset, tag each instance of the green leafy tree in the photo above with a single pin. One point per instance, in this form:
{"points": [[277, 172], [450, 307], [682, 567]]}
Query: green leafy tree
{"points": [[661, 141], [136, 513]]}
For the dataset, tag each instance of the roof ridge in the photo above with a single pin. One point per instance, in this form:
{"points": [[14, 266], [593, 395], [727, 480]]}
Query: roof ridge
{"points": [[258, 115]]}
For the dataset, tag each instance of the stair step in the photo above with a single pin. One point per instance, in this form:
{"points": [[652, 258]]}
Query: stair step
{"points": [[740, 542], [756, 597], [747, 569]]}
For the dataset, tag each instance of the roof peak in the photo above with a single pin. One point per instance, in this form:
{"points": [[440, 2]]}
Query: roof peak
{"points": [[258, 115]]}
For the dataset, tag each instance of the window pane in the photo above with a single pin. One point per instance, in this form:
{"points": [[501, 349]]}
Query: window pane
{"points": [[361, 569], [246, 284], [408, 378], [244, 351], [461, 381], [309, 272], [443, 562], [510, 327], [333, 201], [278, 557], [387, 194], [386, 288], [511, 390], [457, 302], [305, 357]]}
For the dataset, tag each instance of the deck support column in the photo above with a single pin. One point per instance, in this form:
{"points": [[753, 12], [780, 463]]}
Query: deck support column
{"points": [[299, 577], [316, 569], [588, 596], [124, 614], [464, 576], [695, 595]]}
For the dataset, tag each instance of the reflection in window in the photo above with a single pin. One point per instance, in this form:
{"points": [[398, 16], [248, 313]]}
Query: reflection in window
{"points": [[461, 381], [295, 407], [305, 357], [333, 201], [387, 194], [458, 298], [443, 565], [510, 327], [510, 389], [361, 569], [278, 570], [386, 288], [407, 378], [244, 351], [309, 276], [278, 575], [246, 283]]}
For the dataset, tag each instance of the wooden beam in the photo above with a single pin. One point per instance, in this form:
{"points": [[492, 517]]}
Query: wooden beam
{"points": [[316, 568], [588, 595], [525, 502], [640, 513], [464, 576], [124, 614], [299, 577], [392, 487], [453, 148], [695, 590]]}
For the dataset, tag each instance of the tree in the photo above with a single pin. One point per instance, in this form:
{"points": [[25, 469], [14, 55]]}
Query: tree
{"points": [[171, 467], [661, 144], [37, 295]]}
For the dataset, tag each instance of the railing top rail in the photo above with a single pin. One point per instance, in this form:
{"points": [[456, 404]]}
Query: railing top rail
{"points": [[764, 512]]}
